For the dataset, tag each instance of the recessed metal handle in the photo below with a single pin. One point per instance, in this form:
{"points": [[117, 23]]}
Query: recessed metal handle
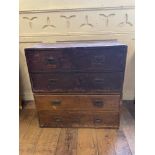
{"points": [[58, 120], [52, 81], [51, 60], [98, 103], [56, 102], [99, 59], [99, 81], [76, 120], [97, 120]]}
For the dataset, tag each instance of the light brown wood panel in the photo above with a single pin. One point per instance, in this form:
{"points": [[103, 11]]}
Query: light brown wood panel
{"points": [[67, 144], [46, 149], [87, 144], [26, 117], [77, 102], [105, 140], [49, 135], [84, 119], [47, 141], [26, 149], [33, 132]]}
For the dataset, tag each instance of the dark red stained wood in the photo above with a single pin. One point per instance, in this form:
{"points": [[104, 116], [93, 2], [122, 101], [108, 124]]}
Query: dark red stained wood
{"points": [[91, 59], [80, 69], [77, 82], [62, 119]]}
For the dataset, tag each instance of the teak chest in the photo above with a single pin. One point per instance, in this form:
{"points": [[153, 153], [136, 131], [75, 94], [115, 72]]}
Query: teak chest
{"points": [[77, 84]]}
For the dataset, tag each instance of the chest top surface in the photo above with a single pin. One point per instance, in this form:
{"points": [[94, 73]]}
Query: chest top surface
{"points": [[76, 44]]}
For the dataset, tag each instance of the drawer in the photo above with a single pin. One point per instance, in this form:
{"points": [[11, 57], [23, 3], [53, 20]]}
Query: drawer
{"points": [[78, 119], [77, 82], [91, 59], [77, 102]]}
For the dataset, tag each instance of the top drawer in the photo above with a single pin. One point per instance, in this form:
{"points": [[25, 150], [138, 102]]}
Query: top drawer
{"points": [[91, 59]]}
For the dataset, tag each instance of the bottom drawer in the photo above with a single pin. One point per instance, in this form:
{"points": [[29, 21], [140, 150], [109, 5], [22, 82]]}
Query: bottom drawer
{"points": [[78, 119]]}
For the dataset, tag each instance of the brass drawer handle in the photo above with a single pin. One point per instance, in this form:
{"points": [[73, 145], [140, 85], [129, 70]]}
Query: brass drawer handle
{"points": [[52, 81], [97, 120], [98, 60], [99, 81], [58, 120], [51, 60], [56, 102], [98, 103], [76, 120]]}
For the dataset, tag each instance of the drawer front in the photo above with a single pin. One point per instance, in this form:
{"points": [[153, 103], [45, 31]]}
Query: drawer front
{"points": [[77, 82], [77, 59], [79, 119], [77, 102]]}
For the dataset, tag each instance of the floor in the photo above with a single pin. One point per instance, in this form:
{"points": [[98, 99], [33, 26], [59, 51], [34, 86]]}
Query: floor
{"points": [[68, 141]]}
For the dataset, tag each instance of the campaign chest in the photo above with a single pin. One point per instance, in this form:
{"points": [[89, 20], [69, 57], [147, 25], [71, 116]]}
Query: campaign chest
{"points": [[77, 84]]}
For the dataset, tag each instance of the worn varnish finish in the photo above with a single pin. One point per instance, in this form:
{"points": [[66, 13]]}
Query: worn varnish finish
{"points": [[81, 59], [77, 82], [76, 141], [84, 76], [84, 102], [78, 118]]}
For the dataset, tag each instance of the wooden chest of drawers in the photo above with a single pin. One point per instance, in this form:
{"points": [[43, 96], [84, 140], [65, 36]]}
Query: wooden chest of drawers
{"points": [[77, 84]]}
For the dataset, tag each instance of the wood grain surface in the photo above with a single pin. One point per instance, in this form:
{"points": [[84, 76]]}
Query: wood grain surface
{"points": [[77, 82], [81, 59], [75, 141], [77, 102]]}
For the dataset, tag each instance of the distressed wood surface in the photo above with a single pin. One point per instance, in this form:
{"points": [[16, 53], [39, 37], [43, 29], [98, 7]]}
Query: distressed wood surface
{"points": [[47, 142], [33, 132], [84, 102], [77, 82], [106, 140], [67, 143], [87, 144], [25, 119], [77, 141], [83, 59], [26, 149], [83, 119]]}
